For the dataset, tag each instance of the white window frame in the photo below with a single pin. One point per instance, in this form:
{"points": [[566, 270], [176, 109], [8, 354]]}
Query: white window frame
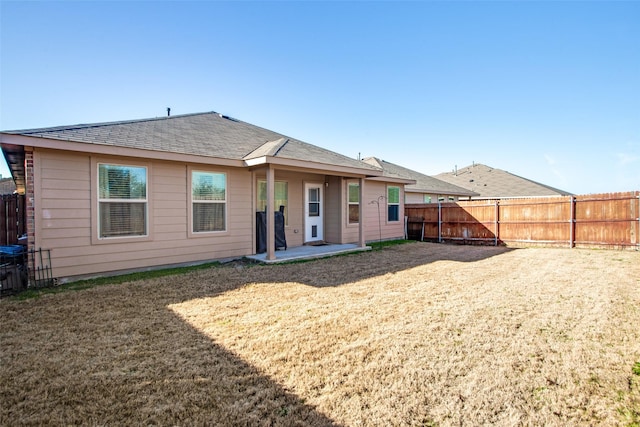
{"points": [[394, 203], [99, 200], [193, 202], [350, 203], [277, 205]]}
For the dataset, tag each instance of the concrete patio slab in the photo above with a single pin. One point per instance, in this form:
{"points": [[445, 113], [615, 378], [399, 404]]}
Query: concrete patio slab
{"points": [[308, 252]]}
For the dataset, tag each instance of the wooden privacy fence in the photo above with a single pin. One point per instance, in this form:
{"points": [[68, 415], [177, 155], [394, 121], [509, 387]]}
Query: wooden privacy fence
{"points": [[12, 224], [609, 220]]}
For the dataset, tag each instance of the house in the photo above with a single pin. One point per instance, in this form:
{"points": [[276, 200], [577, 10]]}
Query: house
{"points": [[492, 183], [7, 186], [137, 194], [426, 189]]}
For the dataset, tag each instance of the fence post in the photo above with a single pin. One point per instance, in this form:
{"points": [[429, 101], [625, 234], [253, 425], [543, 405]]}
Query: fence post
{"points": [[497, 222], [572, 222], [638, 226], [439, 222]]}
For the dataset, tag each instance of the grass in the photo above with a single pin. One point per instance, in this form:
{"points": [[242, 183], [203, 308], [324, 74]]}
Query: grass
{"points": [[412, 334], [150, 274], [388, 243], [111, 280]]}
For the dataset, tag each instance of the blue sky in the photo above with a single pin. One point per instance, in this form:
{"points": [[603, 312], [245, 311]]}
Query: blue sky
{"points": [[545, 90]]}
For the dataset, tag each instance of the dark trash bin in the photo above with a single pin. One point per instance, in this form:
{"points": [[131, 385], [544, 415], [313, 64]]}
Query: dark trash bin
{"points": [[13, 268]]}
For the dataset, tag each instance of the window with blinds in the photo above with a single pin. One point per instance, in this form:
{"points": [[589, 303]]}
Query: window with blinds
{"points": [[122, 200], [209, 201], [354, 203]]}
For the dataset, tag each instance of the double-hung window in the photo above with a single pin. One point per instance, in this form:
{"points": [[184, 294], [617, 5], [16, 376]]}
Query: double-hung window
{"points": [[281, 197], [122, 201], [354, 203], [209, 201], [393, 203]]}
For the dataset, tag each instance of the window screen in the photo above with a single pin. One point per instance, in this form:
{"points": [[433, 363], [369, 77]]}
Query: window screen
{"points": [[122, 200], [209, 200], [393, 203], [354, 203]]}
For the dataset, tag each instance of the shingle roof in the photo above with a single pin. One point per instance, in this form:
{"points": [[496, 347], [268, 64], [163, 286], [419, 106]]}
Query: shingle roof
{"points": [[203, 134], [490, 182], [424, 183]]}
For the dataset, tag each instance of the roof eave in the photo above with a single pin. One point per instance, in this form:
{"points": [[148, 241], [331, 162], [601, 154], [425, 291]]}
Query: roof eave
{"points": [[103, 149], [436, 191], [394, 179]]}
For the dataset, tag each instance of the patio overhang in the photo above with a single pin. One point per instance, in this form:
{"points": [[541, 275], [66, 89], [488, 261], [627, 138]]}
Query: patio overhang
{"points": [[311, 166]]}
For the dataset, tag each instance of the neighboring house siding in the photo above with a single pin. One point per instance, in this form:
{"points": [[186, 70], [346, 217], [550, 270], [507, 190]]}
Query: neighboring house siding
{"points": [[415, 198], [418, 198], [65, 216], [7, 186]]}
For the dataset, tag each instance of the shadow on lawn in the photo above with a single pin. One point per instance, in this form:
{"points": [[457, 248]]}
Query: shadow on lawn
{"points": [[118, 354]]}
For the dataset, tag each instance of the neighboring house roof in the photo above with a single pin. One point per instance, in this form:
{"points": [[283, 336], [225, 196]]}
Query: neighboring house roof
{"points": [[423, 183], [7, 186], [193, 136], [490, 182]]}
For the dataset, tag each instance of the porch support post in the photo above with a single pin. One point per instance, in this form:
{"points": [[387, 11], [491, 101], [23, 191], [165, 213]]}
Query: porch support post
{"points": [[361, 234], [271, 228]]}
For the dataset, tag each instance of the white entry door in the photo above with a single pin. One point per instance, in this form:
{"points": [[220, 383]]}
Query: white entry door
{"points": [[313, 200]]}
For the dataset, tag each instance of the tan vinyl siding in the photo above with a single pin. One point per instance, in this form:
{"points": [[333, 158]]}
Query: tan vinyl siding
{"points": [[376, 225], [65, 217], [350, 232], [62, 207], [66, 214], [294, 230], [333, 209]]}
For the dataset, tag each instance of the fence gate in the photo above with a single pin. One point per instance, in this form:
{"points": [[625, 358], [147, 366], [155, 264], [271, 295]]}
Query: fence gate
{"points": [[12, 222]]}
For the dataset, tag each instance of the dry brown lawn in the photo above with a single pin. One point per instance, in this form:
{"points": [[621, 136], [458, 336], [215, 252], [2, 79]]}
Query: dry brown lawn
{"points": [[417, 334]]}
